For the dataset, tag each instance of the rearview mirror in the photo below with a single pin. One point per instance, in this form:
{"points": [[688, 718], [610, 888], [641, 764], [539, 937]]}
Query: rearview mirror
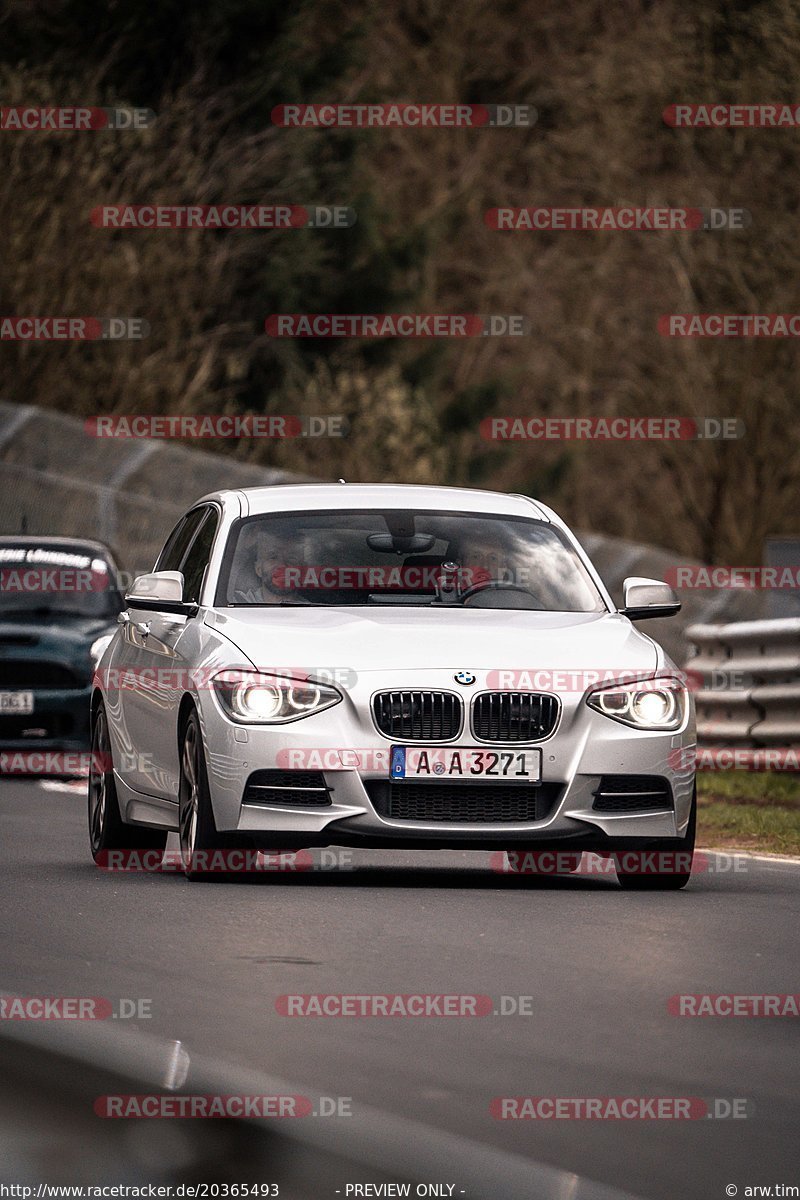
{"points": [[395, 543], [161, 591], [648, 598]]}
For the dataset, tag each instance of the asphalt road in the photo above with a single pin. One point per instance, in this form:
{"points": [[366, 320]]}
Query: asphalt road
{"points": [[598, 963]]}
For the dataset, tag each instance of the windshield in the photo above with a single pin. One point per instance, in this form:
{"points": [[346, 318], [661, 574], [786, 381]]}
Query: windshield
{"points": [[38, 580], [404, 557]]}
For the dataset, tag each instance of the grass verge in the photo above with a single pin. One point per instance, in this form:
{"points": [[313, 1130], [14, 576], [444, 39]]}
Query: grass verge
{"points": [[746, 810]]}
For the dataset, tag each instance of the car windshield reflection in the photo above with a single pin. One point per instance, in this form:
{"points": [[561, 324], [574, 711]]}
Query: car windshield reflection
{"points": [[399, 557]]}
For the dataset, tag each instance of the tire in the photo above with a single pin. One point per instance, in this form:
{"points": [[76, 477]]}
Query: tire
{"points": [[198, 833], [665, 881], [107, 830]]}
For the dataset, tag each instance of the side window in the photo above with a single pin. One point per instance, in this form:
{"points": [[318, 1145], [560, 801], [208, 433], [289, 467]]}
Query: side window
{"points": [[196, 561], [178, 542]]}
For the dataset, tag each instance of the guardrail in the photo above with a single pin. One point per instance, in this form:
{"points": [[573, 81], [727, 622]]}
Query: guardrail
{"points": [[55, 480], [747, 680], [54, 1074]]}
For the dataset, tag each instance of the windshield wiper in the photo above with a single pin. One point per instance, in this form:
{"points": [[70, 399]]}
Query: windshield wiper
{"points": [[410, 599], [273, 604]]}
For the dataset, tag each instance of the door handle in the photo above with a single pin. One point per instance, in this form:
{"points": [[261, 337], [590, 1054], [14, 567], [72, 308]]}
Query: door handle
{"points": [[143, 628], [124, 618]]}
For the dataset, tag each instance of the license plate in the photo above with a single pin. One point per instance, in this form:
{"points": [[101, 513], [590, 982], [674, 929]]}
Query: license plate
{"points": [[465, 762], [16, 702]]}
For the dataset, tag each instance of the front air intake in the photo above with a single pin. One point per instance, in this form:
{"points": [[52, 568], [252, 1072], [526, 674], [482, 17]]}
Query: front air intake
{"points": [[418, 716], [513, 716], [632, 793], [287, 789]]}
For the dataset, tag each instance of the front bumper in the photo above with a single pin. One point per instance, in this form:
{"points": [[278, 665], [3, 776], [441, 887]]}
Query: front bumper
{"points": [[53, 739], [343, 742]]}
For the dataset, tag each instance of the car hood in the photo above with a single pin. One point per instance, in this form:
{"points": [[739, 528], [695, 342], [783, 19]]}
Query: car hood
{"points": [[391, 639], [37, 635]]}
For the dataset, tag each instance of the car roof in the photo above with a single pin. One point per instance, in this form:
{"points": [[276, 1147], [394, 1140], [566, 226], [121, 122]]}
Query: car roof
{"points": [[289, 497], [77, 545]]}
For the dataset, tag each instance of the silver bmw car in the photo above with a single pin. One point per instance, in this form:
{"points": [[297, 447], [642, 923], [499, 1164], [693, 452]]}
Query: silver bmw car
{"points": [[390, 666]]}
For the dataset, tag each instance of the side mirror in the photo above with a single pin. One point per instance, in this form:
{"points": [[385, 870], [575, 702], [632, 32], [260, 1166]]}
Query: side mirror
{"points": [[161, 591], [648, 598]]}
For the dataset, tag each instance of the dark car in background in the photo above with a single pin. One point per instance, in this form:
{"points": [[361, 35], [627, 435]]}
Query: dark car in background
{"points": [[59, 602]]}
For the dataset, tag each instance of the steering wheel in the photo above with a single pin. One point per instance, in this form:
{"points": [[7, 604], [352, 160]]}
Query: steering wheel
{"points": [[495, 585]]}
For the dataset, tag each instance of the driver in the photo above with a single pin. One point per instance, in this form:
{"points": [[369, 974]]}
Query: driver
{"points": [[275, 551]]}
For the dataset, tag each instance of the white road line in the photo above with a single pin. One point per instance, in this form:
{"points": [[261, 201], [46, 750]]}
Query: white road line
{"points": [[779, 859]]}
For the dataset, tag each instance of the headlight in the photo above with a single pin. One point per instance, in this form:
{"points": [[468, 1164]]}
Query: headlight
{"points": [[647, 704], [271, 699], [99, 647]]}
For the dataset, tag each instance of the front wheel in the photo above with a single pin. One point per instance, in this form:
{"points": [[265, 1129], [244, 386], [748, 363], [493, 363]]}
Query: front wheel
{"points": [[665, 867], [107, 830], [203, 849]]}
